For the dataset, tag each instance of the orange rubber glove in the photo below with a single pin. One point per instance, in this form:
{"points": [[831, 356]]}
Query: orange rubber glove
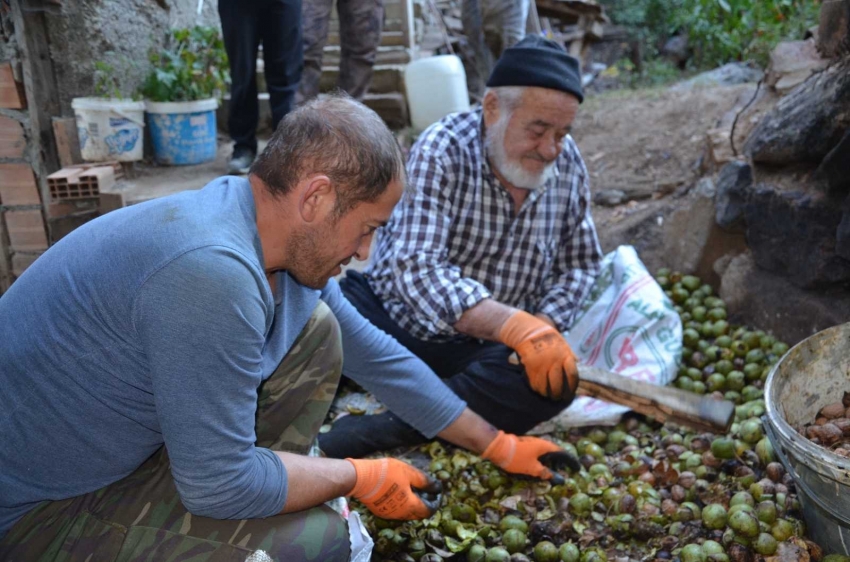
{"points": [[388, 487], [548, 360], [526, 455]]}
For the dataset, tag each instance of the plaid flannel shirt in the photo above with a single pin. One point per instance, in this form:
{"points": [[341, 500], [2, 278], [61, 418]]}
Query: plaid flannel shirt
{"points": [[453, 240]]}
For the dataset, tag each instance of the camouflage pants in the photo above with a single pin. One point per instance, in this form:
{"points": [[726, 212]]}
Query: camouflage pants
{"points": [[360, 23], [490, 26], [141, 517]]}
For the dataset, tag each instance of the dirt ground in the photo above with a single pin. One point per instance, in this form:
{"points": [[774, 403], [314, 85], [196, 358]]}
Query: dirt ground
{"points": [[649, 143]]}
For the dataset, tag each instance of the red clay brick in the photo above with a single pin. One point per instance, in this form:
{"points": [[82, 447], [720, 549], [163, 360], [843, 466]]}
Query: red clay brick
{"points": [[12, 140], [26, 230], [11, 92], [17, 185]]}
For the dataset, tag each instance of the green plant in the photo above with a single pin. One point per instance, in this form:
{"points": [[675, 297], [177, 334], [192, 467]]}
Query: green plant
{"points": [[719, 31], [107, 82], [726, 30], [192, 66]]}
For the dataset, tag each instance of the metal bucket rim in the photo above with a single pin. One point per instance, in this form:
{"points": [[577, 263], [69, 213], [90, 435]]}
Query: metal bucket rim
{"points": [[793, 440]]}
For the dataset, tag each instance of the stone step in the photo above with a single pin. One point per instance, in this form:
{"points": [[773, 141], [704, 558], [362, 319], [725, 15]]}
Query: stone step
{"points": [[393, 9], [392, 107], [386, 79], [390, 24], [388, 38], [386, 55]]}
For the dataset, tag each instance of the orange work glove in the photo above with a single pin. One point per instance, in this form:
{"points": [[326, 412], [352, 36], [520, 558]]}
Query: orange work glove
{"points": [[388, 487], [548, 360], [526, 455]]}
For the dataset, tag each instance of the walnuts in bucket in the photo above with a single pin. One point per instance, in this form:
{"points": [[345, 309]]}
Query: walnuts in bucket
{"points": [[831, 428]]}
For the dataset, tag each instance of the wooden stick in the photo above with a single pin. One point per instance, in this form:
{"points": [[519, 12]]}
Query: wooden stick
{"points": [[660, 402]]}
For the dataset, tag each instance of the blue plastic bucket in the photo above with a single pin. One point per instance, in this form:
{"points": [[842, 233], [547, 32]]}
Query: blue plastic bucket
{"points": [[183, 132]]}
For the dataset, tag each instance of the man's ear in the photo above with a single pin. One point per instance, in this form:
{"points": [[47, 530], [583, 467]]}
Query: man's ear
{"points": [[317, 198], [490, 106]]}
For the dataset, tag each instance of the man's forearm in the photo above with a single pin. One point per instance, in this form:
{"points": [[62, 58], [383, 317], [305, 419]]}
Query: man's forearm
{"points": [[470, 431], [312, 481], [484, 320]]}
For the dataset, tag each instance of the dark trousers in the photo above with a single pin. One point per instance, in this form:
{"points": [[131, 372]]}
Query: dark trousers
{"points": [[245, 24], [478, 372]]}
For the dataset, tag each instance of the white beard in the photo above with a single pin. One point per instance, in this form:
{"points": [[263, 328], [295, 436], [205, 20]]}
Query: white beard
{"points": [[494, 141]]}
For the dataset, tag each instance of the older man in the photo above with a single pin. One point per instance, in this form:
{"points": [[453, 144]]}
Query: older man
{"points": [[166, 367], [493, 253]]}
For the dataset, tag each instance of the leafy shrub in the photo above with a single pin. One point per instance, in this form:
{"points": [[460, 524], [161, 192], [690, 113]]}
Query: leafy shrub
{"points": [[727, 30], [719, 31], [192, 66]]}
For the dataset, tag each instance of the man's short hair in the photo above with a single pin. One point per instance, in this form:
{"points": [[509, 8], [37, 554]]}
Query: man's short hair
{"points": [[509, 96], [336, 136]]}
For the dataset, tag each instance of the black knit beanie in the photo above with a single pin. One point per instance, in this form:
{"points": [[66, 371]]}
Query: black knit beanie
{"points": [[540, 62]]}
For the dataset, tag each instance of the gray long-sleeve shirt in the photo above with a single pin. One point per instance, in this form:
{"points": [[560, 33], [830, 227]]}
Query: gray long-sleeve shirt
{"points": [[155, 325]]}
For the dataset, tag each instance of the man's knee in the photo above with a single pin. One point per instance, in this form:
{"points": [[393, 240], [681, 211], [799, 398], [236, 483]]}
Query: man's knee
{"points": [[320, 342], [317, 534], [323, 338]]}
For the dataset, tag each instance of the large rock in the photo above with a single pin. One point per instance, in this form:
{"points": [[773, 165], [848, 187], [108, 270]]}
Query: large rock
{"points": [[833, 174], [727, 75], [732, 184], [767, 301], [833, 37], [687, 230], [692, 240], [807, 123], [642, 228], [842, 236], [791, 63], [794, 234]]}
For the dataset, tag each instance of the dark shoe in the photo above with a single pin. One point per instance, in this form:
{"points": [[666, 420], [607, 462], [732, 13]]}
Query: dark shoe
{"points": [[241, 161], [358, 436]]}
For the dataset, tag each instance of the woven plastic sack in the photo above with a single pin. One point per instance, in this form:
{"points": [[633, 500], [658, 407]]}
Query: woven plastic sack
{"points": [[627, 325]]}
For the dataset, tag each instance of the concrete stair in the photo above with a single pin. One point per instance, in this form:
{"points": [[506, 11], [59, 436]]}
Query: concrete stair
{"points": [[386, 93], [392, 107]]}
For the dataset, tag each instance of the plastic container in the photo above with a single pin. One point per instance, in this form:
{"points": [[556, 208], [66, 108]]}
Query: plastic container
{"points": [[183, 132], [811, 375], [435, 87], [110, 129]]}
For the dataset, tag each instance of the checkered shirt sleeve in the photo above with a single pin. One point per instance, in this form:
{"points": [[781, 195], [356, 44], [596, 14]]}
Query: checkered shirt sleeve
{"points": [[434, 291]]}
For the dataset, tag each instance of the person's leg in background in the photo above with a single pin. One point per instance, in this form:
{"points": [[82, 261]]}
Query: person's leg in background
{"points": [[141, 517], [240, 30], [360, 26], [504, 19], [316, 18], [283, 53], [482, 64]]}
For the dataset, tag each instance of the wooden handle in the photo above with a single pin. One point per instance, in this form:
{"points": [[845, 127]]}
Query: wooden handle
{"points": [[663, 403]]}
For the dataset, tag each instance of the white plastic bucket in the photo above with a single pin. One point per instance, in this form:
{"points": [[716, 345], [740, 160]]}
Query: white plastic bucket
{"points": [[110, 129], [183, 132], [435, 86]]}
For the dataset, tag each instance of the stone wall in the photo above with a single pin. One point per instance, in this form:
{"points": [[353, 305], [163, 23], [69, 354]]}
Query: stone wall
{"points": [[23, 235], [118, 32]]}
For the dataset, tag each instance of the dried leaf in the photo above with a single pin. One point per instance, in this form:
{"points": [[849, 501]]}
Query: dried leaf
{"points": [[510, 502], [545, 514]]}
